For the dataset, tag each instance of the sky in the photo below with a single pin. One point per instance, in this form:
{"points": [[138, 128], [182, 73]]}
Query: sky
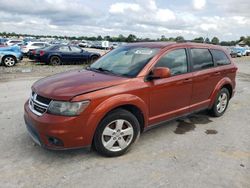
{"points": [[226, 19]]}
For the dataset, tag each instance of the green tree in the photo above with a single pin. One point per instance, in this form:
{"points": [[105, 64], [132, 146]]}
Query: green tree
{"points": [[242, 38], [247, 40], [179, 38], [215, 40], [163, 38], [108, 38], [199, 39], [131, 38], [99, 37], [207, 40]]}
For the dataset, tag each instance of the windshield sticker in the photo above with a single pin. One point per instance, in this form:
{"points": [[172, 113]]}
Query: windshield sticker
{"points": [[144, 52]]}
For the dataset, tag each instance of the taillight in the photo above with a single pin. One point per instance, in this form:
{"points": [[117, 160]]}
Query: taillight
{"points": [[42, 53]]}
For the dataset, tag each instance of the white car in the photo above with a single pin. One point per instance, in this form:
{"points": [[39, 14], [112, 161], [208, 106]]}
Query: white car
{"points": [[84, 44], [248, 51], [12, 42], [32, 46]]}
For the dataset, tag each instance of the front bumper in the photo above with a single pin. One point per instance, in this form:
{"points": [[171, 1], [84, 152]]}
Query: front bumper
{"points": [[68, 131]]}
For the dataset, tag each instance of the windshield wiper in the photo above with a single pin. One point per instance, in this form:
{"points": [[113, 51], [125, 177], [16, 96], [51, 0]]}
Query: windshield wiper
{"points": [[100, 69]]}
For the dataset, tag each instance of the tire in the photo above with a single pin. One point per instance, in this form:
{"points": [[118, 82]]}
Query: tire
{"points": [[116, 133], [9, 61], [221, 103], [93, 59], [55, 60]]}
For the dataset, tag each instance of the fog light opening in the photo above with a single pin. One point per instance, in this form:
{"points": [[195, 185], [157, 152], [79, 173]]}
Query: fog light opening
{"points": [[55, 141]]}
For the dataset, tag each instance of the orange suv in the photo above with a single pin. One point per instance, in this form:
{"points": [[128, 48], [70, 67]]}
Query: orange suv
{"points": [[125, 92]]}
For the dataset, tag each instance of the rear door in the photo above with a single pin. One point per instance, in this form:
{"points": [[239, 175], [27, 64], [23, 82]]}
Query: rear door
{"points": [[170, 97], [205, 77], [65, 53]]}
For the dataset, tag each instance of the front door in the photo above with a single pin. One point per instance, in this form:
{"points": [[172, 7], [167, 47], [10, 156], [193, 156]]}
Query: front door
{"points": [[170, 97], [77, 54]]}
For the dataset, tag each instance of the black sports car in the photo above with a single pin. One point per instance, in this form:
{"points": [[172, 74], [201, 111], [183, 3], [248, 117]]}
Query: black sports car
{"points": [[62, 54]]}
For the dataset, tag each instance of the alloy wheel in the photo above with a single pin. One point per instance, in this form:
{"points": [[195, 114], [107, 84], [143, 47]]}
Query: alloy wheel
{"points": [[117, 135], [9, 61], [222, 102]]}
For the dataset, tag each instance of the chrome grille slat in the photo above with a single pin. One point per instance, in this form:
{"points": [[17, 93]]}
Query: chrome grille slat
{"points": [[36, 106]]}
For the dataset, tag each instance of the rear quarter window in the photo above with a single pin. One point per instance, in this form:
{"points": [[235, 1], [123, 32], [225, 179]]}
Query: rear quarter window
{"points": [[220, 57]]}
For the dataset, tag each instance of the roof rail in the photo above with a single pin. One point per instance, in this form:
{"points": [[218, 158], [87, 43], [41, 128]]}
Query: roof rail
{"points": [[194, 41]]}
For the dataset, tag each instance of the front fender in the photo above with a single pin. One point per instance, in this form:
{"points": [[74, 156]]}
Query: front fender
{"points": [[220, 84], [114, 102]]}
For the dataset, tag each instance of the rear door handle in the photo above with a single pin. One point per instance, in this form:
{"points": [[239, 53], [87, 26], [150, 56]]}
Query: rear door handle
{"points": [[217, 73]]}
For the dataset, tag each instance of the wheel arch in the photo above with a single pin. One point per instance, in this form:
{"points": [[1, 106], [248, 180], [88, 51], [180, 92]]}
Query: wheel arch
{"points": [[54, 55], [7, 55], [223, 83], [129, 102]]}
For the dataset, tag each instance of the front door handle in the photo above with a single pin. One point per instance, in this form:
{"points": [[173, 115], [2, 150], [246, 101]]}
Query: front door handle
{"points": [[187, 80], [217, 73]]}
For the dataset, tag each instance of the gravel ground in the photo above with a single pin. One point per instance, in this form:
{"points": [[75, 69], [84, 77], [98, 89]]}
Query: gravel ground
{"points": [[198, 151]]}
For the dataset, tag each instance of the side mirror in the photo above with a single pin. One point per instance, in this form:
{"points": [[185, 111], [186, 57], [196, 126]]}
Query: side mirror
{"points": [[160, 72]]}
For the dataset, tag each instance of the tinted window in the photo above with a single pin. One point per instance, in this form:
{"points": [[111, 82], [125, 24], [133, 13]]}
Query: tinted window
{"points": [[38, 44], [175, 60], [75, 49], [14, 41], [64, 49], [220, 57], [201, 58]]}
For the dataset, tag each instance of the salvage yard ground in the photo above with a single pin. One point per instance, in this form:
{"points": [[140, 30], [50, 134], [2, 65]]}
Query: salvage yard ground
{"points": [[198, 151]]}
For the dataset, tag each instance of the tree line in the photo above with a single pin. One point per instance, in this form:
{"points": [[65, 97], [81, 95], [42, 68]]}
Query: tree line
{"points": [[133, 38]]}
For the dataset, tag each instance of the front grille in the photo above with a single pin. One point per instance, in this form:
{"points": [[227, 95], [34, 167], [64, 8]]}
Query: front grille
{"points": [[38, 104]]}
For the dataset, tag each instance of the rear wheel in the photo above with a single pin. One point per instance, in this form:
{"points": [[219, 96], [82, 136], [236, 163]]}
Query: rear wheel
{"points": [[116, 133], [221, 103], [55, 60], [9, 61]]}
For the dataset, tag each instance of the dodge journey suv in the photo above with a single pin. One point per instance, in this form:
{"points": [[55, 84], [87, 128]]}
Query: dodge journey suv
{"points": [[127, 91]]}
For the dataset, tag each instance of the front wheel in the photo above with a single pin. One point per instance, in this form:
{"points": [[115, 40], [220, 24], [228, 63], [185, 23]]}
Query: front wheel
{"points": [[9, 61], [221, 103], [116, 133]]}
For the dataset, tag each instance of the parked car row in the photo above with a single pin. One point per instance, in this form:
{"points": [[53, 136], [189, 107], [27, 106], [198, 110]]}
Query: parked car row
{"points": [[54, 53], [239, 51]]}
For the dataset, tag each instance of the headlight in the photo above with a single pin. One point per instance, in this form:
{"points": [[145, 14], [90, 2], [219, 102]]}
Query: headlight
{"points": [[67, 108]]}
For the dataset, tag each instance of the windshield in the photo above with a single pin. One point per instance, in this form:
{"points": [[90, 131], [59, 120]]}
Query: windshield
{"points": [[125, 61]]}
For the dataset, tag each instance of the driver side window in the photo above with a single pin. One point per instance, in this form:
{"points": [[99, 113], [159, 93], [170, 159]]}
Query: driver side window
{"points": [[175, 60]]}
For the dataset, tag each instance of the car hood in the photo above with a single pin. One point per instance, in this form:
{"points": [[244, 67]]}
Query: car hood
{"points": [[65, 86]]}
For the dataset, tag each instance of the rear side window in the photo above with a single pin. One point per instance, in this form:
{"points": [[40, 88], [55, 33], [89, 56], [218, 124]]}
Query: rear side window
{"points": [[220, 57], [64, 49], [201, 58], [75, 49], [175, 60]]}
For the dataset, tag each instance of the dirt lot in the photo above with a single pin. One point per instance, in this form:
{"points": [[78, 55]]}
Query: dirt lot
{"points": [[198, 152]]}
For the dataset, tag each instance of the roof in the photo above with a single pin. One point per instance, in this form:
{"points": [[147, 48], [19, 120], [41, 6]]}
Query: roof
{"points": [[169, 44]]}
